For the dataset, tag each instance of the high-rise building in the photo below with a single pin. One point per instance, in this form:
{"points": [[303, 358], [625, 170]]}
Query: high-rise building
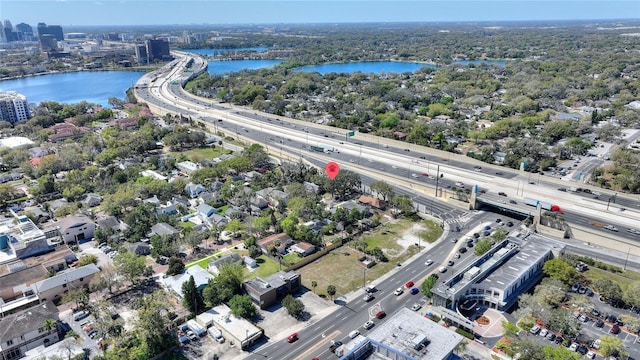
{"points": [[13, 107], [158, 49], [141, 53], [9, 35], [48, 43], [113, 36], [25, 32], [55, 30]]}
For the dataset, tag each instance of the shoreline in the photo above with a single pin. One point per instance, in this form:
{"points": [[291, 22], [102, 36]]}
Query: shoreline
{"points": [[53, 72]]}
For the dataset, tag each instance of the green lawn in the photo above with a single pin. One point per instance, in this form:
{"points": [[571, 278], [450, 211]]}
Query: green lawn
{"points": [[624, 279], [204, 262], [200, 153], [291, 258], [266, 267], [185, 225], [432, 231]]}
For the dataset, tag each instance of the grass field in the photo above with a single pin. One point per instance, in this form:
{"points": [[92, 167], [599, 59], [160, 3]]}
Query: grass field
{"points": [[342, 269], [199, 154], [624, 279]]}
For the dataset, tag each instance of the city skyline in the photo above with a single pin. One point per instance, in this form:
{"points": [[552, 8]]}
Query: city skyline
{"points": [[171, 12]]}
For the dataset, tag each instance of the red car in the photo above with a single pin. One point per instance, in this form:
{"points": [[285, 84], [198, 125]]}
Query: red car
{"points": [[615, 329], [409, 284], [293, 337], [381, 314]]}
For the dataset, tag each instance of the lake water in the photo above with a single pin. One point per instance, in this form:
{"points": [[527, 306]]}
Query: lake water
{"points": [[383, 66], [91, 86], [223, 67]]}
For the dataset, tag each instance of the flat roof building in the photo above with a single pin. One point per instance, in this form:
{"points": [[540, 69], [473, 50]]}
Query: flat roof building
{"points": [[406, 335], [498, 277], [13, 107]]}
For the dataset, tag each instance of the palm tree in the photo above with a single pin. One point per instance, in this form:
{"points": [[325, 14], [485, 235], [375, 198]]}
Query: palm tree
{"points": [[50, 324], [314, 284]]}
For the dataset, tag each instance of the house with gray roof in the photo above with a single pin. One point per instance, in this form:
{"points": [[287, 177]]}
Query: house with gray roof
{"points": [[200, 276], [214, 265], [24, 330], [91, 200], [204, 211], [193, 190], [75, 228], [163, 229], [71, 278]]}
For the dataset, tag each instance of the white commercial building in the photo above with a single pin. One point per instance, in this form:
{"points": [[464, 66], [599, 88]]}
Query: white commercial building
{"points": [[13, 107]]}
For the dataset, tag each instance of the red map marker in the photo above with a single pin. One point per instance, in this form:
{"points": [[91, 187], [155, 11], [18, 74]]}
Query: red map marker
{"points": [[332, 170]]}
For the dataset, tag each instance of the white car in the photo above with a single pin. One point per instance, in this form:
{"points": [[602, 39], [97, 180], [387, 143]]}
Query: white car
{"points": [[354, 333], [416, 307], [428, 262], [573, 347], [590, 355], [544, 332], [398, 291], [368, 325]]}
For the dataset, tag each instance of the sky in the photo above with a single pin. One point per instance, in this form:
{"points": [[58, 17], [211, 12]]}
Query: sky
{"points": [[159, 12]]}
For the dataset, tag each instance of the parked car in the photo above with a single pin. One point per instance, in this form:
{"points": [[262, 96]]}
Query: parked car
{"points": [[191, 335], [354, 333], [462, 250], [573, 346], [590, 355], [599, 323], [582, 349], [334, 345], [80, 315], [535, 329], [584, 318], [615, 329], [544, 332], [450, 263], [416, 307], [551, 336], [380, 314], [367, 297]]}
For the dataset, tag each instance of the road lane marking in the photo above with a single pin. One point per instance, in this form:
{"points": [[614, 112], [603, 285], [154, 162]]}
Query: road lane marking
{"points": [[319, 343]]}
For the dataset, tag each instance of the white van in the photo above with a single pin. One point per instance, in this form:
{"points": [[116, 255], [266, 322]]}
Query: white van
{"points": [[354, 333], [216, 334]]}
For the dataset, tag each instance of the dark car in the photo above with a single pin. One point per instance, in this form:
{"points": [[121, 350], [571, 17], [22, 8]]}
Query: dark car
{"points": [[611, 318], [599, 323], [476, 235], [462, 250], [558, 340], [502, 193], [292, 338], [450, 263], [615, 329], [334, 345], [510, 224], [380, 314], [582, 349]]}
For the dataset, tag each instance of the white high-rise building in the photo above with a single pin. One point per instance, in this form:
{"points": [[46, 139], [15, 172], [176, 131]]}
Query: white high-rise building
{"points": [[13, 107]]}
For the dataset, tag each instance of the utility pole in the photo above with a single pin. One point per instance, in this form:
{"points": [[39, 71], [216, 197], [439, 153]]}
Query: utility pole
{"points": [[437, 180]]}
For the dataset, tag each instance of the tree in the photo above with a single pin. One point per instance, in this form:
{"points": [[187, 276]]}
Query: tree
{"points": [[314, 284], [612, 346], [232, 276], [242, 306], [88, 259], [482, 246], [562, 321], [509, 328], [402, 205], [331, 290], [153, 326], [294, 306], [561, 270], [461, 347], [607, 288], [550, 291], [382, 189], [175, 266], [130, 265], [107, 278], [50, 324], [428, 284], [191, 297], [78, 295]]}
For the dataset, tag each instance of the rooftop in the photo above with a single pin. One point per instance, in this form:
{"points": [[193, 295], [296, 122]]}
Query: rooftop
{"points": [[406, 330], [238, 327], [15, 325]]}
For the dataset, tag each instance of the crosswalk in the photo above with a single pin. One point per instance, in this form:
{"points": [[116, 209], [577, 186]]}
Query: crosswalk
{"points": [[462, 218]]}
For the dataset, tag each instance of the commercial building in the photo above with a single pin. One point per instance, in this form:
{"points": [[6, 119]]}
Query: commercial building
{"points": [[498, 277], [48, 43], [404, 336], [153, 49], [200, 276], [266, 292], [234, 328], [73, 278], [13, 107], [25, 330], [55, 30]]}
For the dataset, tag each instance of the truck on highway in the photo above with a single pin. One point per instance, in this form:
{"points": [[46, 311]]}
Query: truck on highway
{"points": [[195, 327], [323, 148], [543, 205]]}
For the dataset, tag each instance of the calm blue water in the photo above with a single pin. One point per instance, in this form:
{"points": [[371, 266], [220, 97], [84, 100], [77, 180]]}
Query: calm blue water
{"points": [[216, 52], [500, 63], [383, 66], [365, 67], [222, 67], [91, 86]]}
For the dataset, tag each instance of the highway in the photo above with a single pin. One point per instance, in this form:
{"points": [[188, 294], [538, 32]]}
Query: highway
{"points": [[386, 158]]}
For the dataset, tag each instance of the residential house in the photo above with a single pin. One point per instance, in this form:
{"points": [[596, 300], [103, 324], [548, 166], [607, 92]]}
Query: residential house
{"points": [[180, 200], [499, 157], [273, 196], [152, 200], [91, 200], [266, 292], [216, 220], [193, 190], [37, 214], [215, 265], [352, 205], [283, 239], [112, 223], [140, 248], [72, 278], [57, 204], [66, 130], [200, 276], [154, 174], [75, 228], [311, 187], [25, 330], [187, 167], [204, 211], [164, 229], [206, 197], [372, 201], [125, 124], [303, 248]]}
